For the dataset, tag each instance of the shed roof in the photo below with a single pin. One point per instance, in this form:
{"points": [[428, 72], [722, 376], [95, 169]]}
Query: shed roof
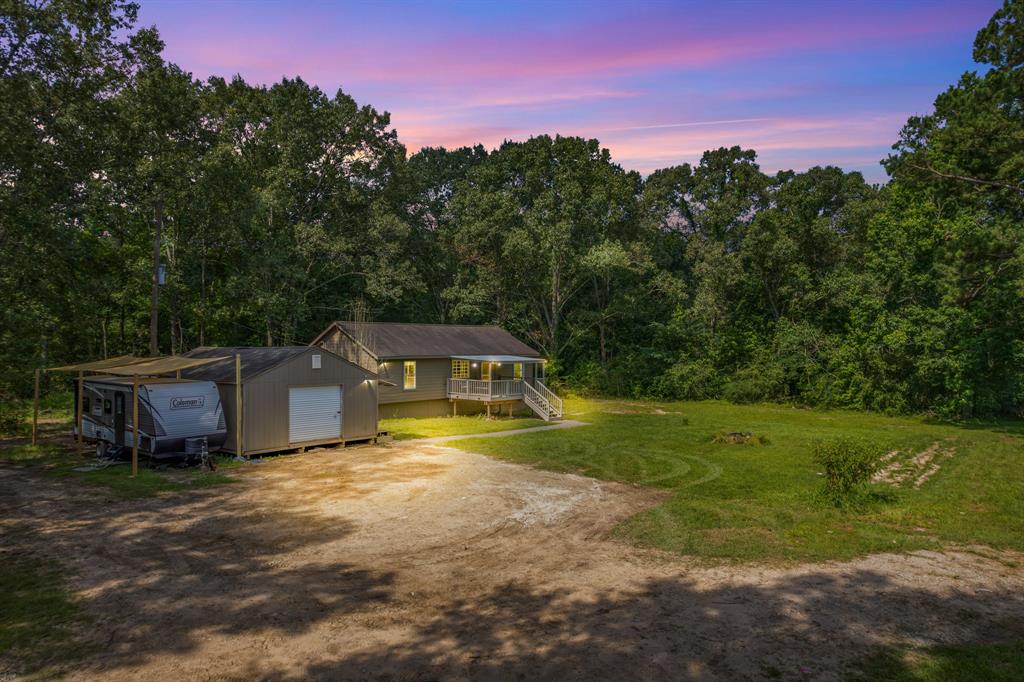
{"points": [[389, 340], [255, 361]]}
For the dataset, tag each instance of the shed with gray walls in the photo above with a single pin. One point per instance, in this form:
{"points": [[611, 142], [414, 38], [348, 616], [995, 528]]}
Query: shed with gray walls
{"points": [[292, 397]]}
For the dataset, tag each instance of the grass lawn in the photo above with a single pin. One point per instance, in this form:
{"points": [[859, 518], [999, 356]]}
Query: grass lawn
{"points": [[56, 415], [56, 460], [39, 621], [992, 662], [748, 502], [403, 429]]}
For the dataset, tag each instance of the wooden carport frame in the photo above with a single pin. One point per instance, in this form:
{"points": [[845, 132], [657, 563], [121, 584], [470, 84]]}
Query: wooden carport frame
{"points": [[130, 366]]}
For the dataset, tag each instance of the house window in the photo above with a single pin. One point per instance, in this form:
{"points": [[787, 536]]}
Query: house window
{"points": [[517, 370], [410, 375], [316, 362], [460, 369]]}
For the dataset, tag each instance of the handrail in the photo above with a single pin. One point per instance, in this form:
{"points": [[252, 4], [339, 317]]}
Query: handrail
{"points": [[539, 404], [553, 399]]}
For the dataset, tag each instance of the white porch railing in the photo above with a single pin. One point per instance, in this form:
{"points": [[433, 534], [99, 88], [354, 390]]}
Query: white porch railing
{"points": [[549, 395], [476, 389], [533, 392]]}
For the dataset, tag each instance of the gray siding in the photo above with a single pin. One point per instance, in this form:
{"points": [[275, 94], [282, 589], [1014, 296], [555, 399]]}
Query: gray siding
{"points": [[227, 401], [431, 381], [266, 400]]}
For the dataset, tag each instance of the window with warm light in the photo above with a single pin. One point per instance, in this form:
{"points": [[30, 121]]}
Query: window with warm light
{"points": [[517, 369], [460, 369], [410, 375]]}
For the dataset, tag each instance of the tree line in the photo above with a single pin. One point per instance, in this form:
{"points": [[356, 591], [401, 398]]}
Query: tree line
{"points": [[280, 208]]}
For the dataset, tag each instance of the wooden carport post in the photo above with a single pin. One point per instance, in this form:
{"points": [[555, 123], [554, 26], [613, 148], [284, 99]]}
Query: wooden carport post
{"points": [[135, 425], [79, 417], [35, 410], [239, 451]]}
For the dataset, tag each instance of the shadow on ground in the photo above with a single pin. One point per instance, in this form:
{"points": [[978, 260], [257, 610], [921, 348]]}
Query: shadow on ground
{"points": [[162, 574], [804, 628], [242, 587]]}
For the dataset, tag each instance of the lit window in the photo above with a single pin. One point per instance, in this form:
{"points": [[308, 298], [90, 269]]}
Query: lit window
{"points": [[517, 368], [460, 369], [410, 375]]}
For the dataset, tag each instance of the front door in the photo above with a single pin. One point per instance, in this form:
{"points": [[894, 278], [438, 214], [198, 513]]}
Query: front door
{"points": [[485, 371], [119, 418]]}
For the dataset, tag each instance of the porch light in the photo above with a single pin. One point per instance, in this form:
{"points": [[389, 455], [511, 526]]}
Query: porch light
{"points": [[474, 365]]}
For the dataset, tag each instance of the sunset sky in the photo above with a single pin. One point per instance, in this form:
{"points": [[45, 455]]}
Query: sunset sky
{"points": [[803, 83]]}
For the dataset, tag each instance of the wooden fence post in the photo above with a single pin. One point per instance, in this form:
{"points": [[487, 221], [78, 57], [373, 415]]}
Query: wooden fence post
{"points": [[239, 451], [79, 417], [135, 425], [35, 410]]}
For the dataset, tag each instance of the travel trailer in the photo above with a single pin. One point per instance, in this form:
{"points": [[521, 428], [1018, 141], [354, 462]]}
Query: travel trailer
{"points": [[177, 417]]}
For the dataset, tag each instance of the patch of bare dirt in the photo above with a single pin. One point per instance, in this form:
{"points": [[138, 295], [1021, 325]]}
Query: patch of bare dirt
{"points": [[900, 468], [421, 561]]}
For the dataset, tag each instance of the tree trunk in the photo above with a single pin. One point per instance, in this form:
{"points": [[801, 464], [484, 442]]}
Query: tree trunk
{"points": [[202, 297], [270, 336], [154, 305], [556, 308]]}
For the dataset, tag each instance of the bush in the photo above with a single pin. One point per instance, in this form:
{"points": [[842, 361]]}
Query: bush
{"points": [[687, 380], [11, 416], [755, 383], [848, 465]]}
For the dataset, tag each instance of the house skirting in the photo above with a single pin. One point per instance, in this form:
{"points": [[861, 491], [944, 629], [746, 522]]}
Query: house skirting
{"points": [[442, 408]]}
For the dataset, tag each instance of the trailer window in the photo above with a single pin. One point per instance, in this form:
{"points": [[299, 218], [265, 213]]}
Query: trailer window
{"points": [[410, 375]]}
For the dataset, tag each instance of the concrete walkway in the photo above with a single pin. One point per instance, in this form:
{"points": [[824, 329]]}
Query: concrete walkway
{"points": [[564, 424]]}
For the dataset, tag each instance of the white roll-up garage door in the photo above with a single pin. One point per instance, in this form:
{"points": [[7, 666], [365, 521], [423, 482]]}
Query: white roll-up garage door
{"points": [[314, 413]]}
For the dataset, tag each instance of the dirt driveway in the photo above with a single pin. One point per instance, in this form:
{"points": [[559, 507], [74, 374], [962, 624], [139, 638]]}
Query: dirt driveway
{"points": [[421, 562]]}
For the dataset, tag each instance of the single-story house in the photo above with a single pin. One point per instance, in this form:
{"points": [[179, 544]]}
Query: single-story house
{"points": [[430, 370], [292, 396]]}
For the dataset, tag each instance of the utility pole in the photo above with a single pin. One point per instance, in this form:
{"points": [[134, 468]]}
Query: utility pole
{"points": [[154, 306]]}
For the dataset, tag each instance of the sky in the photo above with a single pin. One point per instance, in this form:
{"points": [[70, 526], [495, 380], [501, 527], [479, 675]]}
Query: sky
{"points": [[658, 83]]}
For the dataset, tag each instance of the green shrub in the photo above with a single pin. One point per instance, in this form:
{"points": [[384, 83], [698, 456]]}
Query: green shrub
{"points": [[848, 466], [11, 417], [755, 383]]}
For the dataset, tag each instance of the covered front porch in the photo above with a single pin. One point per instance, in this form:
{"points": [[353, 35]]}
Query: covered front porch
{"points": [[503, 379]]}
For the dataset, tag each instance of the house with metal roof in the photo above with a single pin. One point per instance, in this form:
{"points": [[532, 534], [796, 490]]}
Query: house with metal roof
{"points": [[291, 396], [429, 370]]}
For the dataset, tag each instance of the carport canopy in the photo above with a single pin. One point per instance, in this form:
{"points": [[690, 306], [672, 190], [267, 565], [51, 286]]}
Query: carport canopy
{"points": [[156, 366], [497, 358], [130, 366], [97, 365], [125, 366]]}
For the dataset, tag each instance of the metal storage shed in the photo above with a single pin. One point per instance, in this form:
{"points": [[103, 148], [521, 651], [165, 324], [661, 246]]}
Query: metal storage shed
{"points": [[292, 397]]}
